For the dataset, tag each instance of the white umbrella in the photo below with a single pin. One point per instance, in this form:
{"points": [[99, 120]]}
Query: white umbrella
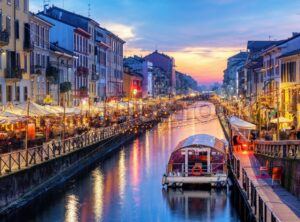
{"points": [[6, 117], [34, 109]]}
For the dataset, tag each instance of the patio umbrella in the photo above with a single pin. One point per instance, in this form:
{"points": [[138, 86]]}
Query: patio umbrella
{"points": [[6, 117], [34, 109]]}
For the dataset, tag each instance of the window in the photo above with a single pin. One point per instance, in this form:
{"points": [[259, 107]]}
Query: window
{"points": [[18, 93], [25, 62], [43, 37], [288, 72], [9, 93], [25, 5], [75, 42], [43, 61], [25, 93], [0, 19], [8, 24], [17, 34], [17, 4], [18, 60], [0, 93]]}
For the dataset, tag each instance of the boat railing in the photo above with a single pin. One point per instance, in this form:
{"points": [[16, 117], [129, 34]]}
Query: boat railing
{"points": [[178, 169]]}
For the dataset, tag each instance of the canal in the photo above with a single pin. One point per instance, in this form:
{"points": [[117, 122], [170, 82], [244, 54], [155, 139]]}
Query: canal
{"points": [[126, 186]]}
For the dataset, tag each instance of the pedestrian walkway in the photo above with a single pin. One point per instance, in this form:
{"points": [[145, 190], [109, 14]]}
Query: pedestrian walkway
{"points": [[270, 202]]}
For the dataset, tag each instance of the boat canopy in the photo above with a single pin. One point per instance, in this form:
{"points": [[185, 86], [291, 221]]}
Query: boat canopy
{"points": [[241, 124], [203, 140]]}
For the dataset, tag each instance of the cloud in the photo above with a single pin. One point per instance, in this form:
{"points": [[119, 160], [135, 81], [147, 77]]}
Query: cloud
{"points": [[125, 32]]}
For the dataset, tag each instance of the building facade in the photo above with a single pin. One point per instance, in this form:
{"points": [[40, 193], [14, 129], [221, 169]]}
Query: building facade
{"points": [[39, 57], [114, 77], [231, 80], [161, 82], [60, 76], [280, 77], [133, 83], [167, 64], [185, 84], [140, 65], [99, 67], [15, 48]]}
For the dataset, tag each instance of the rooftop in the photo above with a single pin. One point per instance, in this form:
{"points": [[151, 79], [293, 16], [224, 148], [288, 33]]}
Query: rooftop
{"points": [[255, 46], [57, 48], [292, 53]]}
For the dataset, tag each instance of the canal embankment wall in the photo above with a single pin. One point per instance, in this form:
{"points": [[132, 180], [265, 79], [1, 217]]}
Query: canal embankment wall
{"points": [[17, 189], [239, 198], [291, 166], [291, 172]]}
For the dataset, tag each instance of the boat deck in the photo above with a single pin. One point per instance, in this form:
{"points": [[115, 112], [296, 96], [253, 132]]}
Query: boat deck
{"points": [[269, 202]]}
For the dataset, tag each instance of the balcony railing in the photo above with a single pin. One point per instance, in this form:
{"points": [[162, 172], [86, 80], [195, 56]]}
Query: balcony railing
{"points": [[82, 92], [82, 71], [95, 77], [36, 70], [287, 149], [13, 74], [28, 46], [4, 38]]}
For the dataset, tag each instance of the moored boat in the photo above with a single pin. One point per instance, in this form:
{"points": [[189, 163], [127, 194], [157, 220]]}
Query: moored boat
{"points": [[199, 159]]}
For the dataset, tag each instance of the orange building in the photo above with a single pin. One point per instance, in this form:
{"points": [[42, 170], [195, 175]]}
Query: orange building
{"points": [[132, 83]]}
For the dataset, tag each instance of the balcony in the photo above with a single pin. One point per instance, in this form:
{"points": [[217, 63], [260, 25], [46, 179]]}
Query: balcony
{"points": [[82, 71], [52, 74], [95, 77], [28, 44], [83, 92], [36, 70], [13, 75], [4, 38]]}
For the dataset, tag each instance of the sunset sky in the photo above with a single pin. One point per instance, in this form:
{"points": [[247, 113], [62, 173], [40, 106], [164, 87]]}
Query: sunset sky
{"points": [[199, 34]]}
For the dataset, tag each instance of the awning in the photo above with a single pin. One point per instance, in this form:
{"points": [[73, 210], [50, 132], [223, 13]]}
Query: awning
{"points": [[34, 109], [203, 140], [241, 124], [6, 117]]}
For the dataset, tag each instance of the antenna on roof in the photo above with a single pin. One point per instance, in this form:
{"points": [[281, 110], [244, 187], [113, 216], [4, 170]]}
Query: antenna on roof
{"points": [[46, 5], [89, 9]]}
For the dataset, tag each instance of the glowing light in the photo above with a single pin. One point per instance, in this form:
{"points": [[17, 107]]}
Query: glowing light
{"points": [[122, 174], [72, 209], [134, 92], [98, 194]]}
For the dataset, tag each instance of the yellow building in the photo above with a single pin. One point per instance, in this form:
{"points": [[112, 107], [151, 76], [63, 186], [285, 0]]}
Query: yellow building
{"points": [[290, 86], [15, 47]]}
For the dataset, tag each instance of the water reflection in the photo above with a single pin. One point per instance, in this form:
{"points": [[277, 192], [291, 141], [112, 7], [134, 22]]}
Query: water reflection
{"points": [[126, 186], [122, 175], [186, 204], [71, 208], [98, 194]]}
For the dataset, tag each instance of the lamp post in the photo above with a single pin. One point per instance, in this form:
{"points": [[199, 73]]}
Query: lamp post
{"points": [[278, 113], [64, 121], [27, 120]]}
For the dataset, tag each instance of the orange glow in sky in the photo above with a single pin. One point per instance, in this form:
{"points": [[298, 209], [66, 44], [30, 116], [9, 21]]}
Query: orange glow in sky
{"points": [[204, 64]]}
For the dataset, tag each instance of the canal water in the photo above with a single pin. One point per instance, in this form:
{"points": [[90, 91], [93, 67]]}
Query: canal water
{"points": [[126, 186]]}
